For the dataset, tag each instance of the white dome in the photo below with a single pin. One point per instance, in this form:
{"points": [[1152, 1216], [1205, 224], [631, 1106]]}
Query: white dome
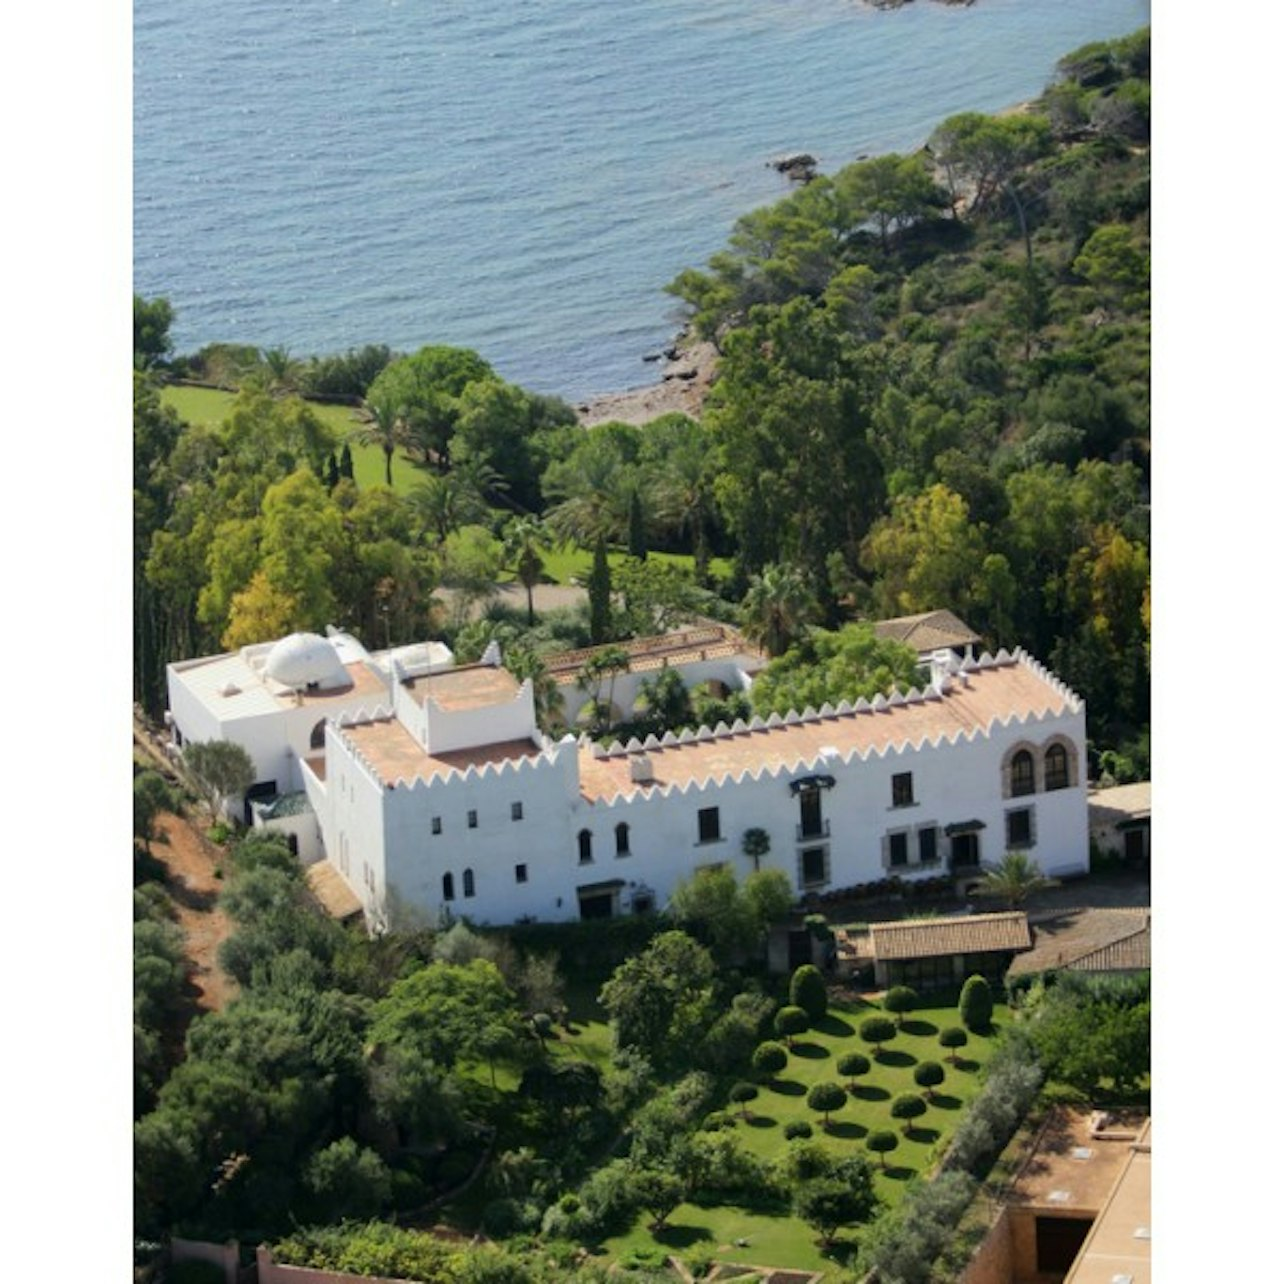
{"points": [[303, 660]]}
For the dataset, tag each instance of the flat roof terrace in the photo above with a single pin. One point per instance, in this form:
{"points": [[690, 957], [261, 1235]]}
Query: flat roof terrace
{"points": [[708, 642], [1004, 690], [473, 686], [365, 682], [395, 754]]}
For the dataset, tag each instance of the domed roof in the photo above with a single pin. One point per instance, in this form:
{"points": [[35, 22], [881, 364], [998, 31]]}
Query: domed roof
{"points": [[305, 659]]}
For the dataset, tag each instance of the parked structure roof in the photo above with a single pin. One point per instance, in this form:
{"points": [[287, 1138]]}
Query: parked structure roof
{"points": [[1119, 804], [937, 937], [929, 631], [1088, 940]]}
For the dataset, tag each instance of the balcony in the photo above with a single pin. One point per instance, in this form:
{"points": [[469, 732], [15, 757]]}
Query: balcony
{"points": [[813, 830]]}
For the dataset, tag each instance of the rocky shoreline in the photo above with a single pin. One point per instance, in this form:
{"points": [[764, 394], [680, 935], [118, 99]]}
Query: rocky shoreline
{"points": [[688, 372]]}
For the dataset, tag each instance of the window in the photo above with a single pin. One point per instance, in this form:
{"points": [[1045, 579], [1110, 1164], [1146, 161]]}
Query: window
{"points": [[643, 904], [1022, 773], [520, 871], [1021, 827], [1056, 768], [903, 789], [472, 820], [448, 887], [436, 824], [710, 826], [621, 839], [814, 866], [317, 739], [586, 846], [516, 811], [470, 888], [927, 846], [898, 849]]}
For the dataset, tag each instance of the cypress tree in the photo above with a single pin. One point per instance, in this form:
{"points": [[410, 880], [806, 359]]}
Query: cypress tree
{"points": [[637, 528], [331, 472], [599, 593], [345, 463]]}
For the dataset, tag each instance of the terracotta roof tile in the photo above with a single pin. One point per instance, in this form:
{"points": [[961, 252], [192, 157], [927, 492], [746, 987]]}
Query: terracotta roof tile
{"points": [[471, 687], [929, 631], [328, 886], [935, 937], [1089, 940], [1012, 689]]}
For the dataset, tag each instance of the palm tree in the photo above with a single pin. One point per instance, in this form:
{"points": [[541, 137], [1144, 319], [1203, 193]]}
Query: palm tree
{"points": [[386, 430], [524, 664], [524, 537], [445, 503], [755, 844], [282, 370], [1014, 879], [777, 608], [683, 497]]}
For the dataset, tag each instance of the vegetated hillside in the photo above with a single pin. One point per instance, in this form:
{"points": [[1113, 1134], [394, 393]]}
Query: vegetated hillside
{"points": [[933, 392], [934, 385]]}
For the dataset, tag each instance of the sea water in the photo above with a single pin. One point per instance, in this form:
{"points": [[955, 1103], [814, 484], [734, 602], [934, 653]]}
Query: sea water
{"points": [[521, 177]]}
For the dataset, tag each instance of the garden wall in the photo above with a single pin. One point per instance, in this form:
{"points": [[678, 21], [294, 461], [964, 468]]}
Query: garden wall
{"points": [[992, 1262], [226, 1256], [272, 1272]]}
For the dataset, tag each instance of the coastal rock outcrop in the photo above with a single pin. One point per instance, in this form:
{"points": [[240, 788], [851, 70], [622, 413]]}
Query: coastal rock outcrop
{"points": [[798, 167]]}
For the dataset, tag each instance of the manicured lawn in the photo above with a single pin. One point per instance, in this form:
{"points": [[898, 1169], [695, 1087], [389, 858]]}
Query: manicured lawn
{"points": [[784, 1241], [563, 565], [210, 406]]}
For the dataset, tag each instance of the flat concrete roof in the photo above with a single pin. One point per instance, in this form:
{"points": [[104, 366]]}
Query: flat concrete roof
{"points": [[1119, 1242], [395, 754], [472, 687]]}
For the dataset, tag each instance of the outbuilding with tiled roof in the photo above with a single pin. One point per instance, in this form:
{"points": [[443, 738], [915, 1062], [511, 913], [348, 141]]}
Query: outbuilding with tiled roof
{"points": [[936, 952]]}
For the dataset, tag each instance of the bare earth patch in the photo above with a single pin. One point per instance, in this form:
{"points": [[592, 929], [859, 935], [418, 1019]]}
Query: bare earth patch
{"points": [[190, 861]]}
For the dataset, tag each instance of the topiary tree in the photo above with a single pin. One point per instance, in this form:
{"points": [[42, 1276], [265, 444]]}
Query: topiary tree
{"points": [[658, 1192], [899, 1000], [769, 1059], [953, 1037], [852, 1066], [797, 1130], [742, 1094], [881, 1143], [877, 1030], [807, 991], [826, 1097], [929, 1075], [908, 1106], [790, 1020], [976, 1004]]}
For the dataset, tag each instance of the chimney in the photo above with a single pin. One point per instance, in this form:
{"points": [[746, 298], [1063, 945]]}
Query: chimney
{"points": [[944, 665], [641, 772]]}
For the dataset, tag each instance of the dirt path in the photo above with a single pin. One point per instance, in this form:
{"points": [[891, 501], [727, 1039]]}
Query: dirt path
{"points": [[189, 862]]}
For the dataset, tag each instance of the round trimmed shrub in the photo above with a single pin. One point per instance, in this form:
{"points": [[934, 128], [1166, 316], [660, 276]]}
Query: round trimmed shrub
{"points": [[797, 1130], [953, 1037], [826, 1097], [877, 1030], [882, 1142], [976, 1004], [770, 1059], [929, 1075], [742, 1094], [852, 1065], [899, 1000], [791, 1020], [908, 1106], [807, 991]]}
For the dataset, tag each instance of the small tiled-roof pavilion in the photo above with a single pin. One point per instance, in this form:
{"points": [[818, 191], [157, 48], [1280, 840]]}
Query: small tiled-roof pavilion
{"points": [[936, 953]]}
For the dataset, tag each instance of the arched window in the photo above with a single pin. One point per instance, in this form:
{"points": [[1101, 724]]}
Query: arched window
{"points": [[1022, 773], [469, 887], [448, 887], [1056, 768], [586, 847], [317, 738], [621, 839]]}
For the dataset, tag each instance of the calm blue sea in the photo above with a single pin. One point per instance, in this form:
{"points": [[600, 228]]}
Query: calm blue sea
{"points": [[520, 176]]}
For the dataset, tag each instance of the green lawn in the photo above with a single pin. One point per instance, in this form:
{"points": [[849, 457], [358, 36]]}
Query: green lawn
{"points": [[784, 1241], [572, 563]]}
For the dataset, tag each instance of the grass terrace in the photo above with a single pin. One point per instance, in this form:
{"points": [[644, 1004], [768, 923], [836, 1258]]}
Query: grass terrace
{"points": [[784, 1241]]}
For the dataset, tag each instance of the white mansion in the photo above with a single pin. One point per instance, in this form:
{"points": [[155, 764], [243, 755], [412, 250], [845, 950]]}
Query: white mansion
{"points": [[429, 785]]}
